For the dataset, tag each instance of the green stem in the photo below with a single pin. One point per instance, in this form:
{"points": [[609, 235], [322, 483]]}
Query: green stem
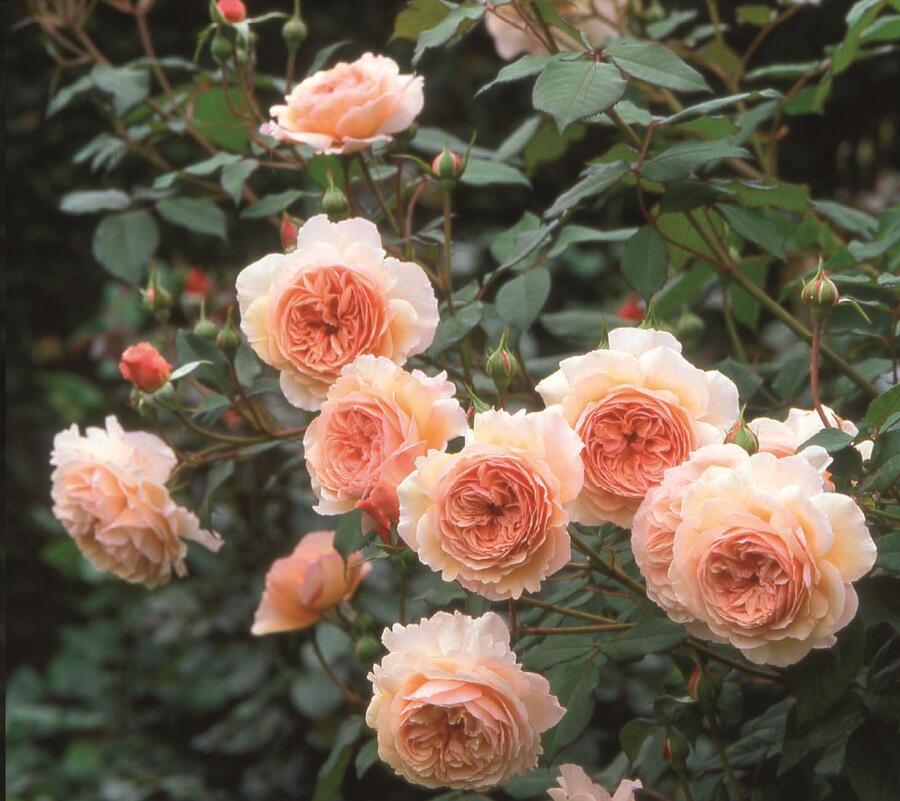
{"points": [[598, 564], [624, 126], [545, 28], [349, 696], [683, 784], [700, 648], [883, 514], [447, 265], [727, 312], [577, 629], [723, 757], [373, 188], [713, 8], [565, 610]]}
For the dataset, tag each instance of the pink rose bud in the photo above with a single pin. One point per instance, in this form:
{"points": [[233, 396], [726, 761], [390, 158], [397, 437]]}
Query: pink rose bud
{"points": [[232, 10], [447, 164], [288, 233], [821, 294], [145, 367]]}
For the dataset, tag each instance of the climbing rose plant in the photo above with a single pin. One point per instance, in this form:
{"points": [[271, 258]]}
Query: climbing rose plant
{"points": [[525, 498]]}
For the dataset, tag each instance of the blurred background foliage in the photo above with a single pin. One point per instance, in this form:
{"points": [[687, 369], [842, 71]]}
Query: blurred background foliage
{"points": [[119, 694]]}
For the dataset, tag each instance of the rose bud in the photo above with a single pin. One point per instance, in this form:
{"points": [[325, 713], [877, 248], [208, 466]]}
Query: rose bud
{"points": [[145, 367], [232, 10], [821, 294], [334, 202], [197, 283], [294, 31], [229, 338], [631, 309], [742, 435], [381, 504], [447, 167], [288, 233], [157, 299]]}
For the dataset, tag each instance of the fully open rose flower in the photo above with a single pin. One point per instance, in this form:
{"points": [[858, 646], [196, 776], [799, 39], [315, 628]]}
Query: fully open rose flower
{"points": [[492, 516], [596, 19], [376, 421], [640, 407], [109, 491], [576, 785], [301, 586], [310, 312], [783, 438], [348, 107], [453, 708], [763, 557]]}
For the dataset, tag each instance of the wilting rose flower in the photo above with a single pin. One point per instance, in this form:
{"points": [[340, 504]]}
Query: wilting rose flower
{"points": [[763, 557], [145, 367], [492, 516], [658, 517], [301, 586], [109, 491], [453, 708], [640, 407], [310, 312], [576, 785], [784, 438], [349, 107], [596, 19], [376, 421]]}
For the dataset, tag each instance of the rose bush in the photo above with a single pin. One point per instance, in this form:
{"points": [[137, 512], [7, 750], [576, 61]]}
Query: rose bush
{"points": [[543, 373]]}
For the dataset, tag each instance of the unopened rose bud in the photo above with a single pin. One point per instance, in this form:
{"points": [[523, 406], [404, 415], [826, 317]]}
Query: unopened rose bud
{"points": [[631, 309], [157, 299], [334, 202], [206, 329], [501, 365], [220, 48], [741, 435], [229, 338], [144, 366], [231, 10], [447, 165], [294, 31], [165, 396], [692, 682], [288, 233], [821, 294], [362, 624], [667, 751], [197, 283], [367, 648]]}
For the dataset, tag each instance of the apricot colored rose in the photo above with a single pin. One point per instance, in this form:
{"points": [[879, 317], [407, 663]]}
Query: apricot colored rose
{"points": [[109, 491], [783, 438], [336, 296], [640, 408], [492, 516], [300, 587], [145, 367], [596, 19], [376, 421], [453, 708], [576, 785], [764, 558], [348, 107]]}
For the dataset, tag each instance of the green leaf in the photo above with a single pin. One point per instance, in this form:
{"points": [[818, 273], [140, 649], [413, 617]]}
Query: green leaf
{"points": [[633, 734], [831, 439], [883, 408], [644, 263], [234, 176], [127, 86], [597, 180], [365, 758], [744, 377], [710, 106], [331, 774], [556, 649], [519, 302], [847, 218], [453, 327], [323, 56], [125, 243], [214, 119], [889, 552], [67, 94], [348, 536], [573, 684], [573, 90], [752, 226], [655, 64], [271, 204], [213, 370], [585, 325], [685, 158], [753, 14], [187, 369], [647, 637], [524, 67], [201, 216], [92, 201], [220, 473], [458, 20], [418, 16], [483, 172], [581, 234], [801, 741], [872, 764]]}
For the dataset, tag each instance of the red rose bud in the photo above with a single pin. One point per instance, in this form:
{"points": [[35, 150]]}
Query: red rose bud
{"points": [[631, 309], [144, 366], [197, 282], [821, 294], [232, 419], [232, 10], [288, 233]]}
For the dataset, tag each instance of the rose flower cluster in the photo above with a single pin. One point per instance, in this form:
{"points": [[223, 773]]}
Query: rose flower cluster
{"points": [[757, 550]]}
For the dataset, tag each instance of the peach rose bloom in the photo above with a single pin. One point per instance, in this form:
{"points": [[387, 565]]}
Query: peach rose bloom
{"points": [[376, 421], [301, 586], [640, 407], [453, 708], [576, 785], [784, 438], [764, 558], [492, 516], [596, 19], [109, 491], [312, 311], [144, 366], [659, 515], [348, 107]]}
